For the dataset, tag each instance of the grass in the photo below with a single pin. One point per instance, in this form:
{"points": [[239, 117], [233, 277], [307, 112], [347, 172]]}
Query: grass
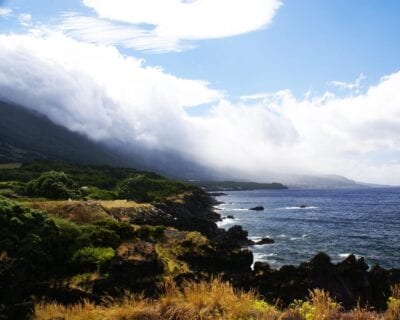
{"points": [[214, 300], [83, 212], [11, 165], [80, 212], [111, 204]]}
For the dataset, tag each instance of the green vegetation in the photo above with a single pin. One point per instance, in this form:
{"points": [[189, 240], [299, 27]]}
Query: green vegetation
{"points": [[142, 188], [92, 258], [52, 185], [59, 180], [166, 249], [11, 165], [55, 245]]}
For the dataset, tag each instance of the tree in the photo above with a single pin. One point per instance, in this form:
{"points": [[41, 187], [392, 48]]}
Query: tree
{"points": [[52, 185], [137, 188]]}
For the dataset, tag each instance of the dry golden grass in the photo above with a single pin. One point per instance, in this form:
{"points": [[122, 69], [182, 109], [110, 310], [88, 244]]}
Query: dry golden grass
{"points": [[215, 300], [110, 204], [393, 312], [77, 211], [85, 211]]}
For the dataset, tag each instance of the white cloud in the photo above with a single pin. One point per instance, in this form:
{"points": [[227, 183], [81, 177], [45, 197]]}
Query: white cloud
{"points": [[25, 19], [354, 86], [168, 25], [95, 90], [102, 31], [5, 12]]}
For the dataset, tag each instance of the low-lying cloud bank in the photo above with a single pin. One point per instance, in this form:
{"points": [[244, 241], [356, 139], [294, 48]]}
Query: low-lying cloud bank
{"points": [[94, 89]]}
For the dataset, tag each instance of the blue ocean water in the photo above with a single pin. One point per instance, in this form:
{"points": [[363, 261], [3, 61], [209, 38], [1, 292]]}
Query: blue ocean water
{"points": [[365, 222]]}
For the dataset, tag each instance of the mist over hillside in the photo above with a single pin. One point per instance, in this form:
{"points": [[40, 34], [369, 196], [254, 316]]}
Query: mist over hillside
{"points": [[26, 135]]}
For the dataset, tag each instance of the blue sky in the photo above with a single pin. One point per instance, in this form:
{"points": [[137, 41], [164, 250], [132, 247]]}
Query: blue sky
{"points": [[308, 44], [251, 86]]}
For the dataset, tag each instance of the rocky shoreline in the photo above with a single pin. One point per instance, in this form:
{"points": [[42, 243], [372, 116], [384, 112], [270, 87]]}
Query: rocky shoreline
{"points": [[350, 281]]}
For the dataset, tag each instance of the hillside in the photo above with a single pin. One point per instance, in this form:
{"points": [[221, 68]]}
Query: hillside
{"points": [[237, 185], [26, 135]]}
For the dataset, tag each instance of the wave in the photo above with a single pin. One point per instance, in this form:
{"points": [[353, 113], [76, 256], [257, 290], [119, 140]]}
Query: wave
{"points": [[298, 208], [345, 255], [226, 221], [298, 238], [257, 238]]}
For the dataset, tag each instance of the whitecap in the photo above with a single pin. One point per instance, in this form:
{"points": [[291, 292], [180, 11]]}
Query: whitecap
{"points": [[226, 221], [345, 255], [298, 208]]}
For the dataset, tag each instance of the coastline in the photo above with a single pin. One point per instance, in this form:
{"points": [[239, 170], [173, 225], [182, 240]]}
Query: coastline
{"points": [[350, 280], [364, 226]]}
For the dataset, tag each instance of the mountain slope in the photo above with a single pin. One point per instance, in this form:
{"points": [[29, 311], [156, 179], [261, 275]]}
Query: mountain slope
{"points": [[26, 135]]}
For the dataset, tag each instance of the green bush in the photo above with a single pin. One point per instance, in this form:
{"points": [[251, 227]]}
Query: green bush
{"points": [[52, 185], [98, 236], [49, 244], [137, 188], [123, 229], [141, 188], [12, 187], [30, 234], [92, 258], [94, 193]]}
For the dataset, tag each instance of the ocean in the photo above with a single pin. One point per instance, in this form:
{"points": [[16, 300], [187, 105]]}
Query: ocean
{"points": [[365, 222]]}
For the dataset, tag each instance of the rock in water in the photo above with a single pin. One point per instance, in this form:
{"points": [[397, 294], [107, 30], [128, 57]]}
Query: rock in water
{"points": [[257, 208], [265, 240]]}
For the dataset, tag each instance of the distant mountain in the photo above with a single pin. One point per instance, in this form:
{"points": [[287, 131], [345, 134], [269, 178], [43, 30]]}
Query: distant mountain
{"points": [[236, 185], [323, 181]]}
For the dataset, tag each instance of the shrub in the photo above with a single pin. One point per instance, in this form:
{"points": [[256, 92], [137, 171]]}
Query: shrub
{"points": [[99, 236], [94, 193], [52, 185], [12, 187], [142, 188], [92, 258], [24, 231], [319, 306], [393, 312], [123, 229], [137, 188]]}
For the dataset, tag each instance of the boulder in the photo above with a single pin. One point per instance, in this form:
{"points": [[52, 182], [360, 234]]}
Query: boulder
{"points": [[265, 240], [257, 208]]}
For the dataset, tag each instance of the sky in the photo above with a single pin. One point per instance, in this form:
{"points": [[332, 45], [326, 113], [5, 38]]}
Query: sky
{"points": [[249, 86]]}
